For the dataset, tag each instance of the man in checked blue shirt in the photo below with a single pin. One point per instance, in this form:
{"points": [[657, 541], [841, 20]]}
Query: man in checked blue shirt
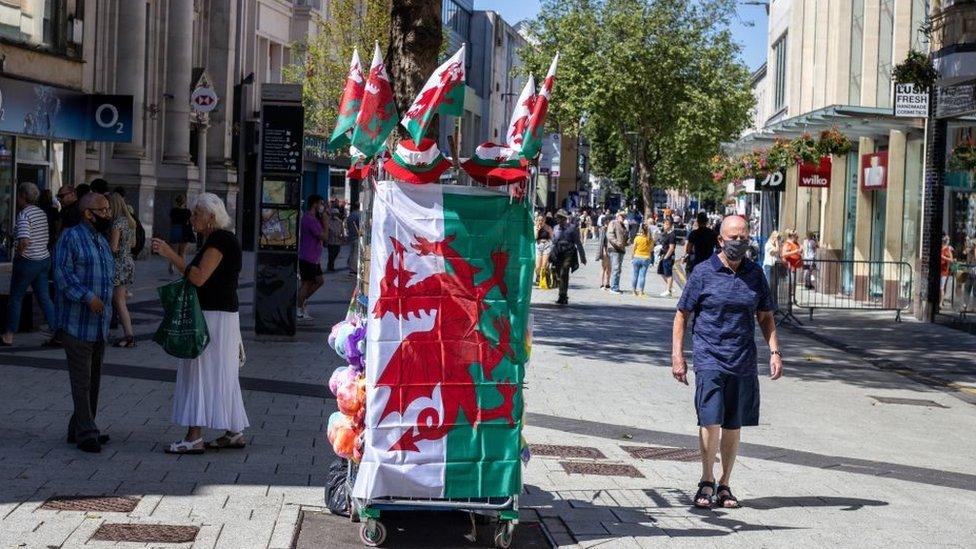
{"points": [[728, 294], [83, 268]]}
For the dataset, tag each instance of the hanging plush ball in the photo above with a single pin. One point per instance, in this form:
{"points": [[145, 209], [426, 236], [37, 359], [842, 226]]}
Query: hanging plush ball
{"points": [[339, 375], [342, 336], [356, 345], [359, 448], [335, 420], [345, 441], [333, 333], [351, 396]]}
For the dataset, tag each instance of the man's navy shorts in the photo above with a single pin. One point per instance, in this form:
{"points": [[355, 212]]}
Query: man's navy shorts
{"points": [[727, 400], [665, 267]]}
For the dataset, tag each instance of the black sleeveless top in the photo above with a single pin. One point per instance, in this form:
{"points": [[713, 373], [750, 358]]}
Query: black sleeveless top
{"points": [[219, 292]]}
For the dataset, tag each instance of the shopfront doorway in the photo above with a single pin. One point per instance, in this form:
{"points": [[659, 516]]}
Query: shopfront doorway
{"points": [[879, 200]]}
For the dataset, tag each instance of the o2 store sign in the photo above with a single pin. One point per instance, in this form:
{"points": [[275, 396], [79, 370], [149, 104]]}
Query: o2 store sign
{"points": [[28, 108]]}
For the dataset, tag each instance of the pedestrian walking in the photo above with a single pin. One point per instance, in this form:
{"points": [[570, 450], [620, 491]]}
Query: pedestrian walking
{"points": [[603, 253], [810, 247], [120, 239], [208, 390], [334, 237], [642, 259], [543, 247], [771, 252], [180, 230], [791, 253], [31, 265], [311, 236], [700, 244], [568, 253], [946, 256], [727, 295], [353, 233], [618, 237], [47, 205], [83, 270], [665, 265], [70, 214]]}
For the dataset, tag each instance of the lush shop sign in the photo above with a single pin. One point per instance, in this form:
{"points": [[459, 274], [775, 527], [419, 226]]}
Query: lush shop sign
{"points": [[911, 102], [28, 108], [815, 175]]}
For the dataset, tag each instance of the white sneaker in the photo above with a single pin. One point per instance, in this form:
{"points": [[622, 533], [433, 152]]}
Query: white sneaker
{"points": [[665, 294], [615, 292]]}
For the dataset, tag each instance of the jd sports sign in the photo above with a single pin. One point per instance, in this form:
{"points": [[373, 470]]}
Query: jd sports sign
{"points": [[773, 181]]}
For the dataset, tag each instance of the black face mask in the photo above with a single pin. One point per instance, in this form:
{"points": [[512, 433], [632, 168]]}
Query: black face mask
{"points": [[735, 249], [101, 224]]}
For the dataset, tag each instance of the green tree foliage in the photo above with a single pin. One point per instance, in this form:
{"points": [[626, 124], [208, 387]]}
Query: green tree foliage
{"points": [[321, 62], [658, 81]]}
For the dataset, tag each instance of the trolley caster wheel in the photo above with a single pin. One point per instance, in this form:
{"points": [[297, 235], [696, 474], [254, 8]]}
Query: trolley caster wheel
{"points": [[372, 533], [503, 535]]}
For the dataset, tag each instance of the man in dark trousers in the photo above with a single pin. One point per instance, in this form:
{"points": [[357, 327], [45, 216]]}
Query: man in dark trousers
{"points": [[83, 270], [567, 253]]}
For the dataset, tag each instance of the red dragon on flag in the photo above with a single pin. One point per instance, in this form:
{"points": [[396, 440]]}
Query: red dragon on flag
{"points": [[532, 144], [515, 135], [377, 116], [444, 354], [352, 98], [443, 94]]}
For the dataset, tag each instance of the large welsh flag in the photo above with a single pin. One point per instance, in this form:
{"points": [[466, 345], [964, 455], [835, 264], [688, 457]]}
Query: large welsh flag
{"points": [[447, 342], [352, 97], [443, 94], [377, 115]]}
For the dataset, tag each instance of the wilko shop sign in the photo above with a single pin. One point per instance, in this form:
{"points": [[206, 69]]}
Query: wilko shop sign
{"points": [[816, 175], [773, 181]]}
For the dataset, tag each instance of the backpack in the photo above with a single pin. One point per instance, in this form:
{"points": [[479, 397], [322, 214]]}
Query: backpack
{"points": [[140, 243]]}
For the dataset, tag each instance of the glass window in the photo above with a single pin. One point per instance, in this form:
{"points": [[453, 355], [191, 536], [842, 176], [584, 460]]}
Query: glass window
{"points": [[6, 196], [886, 30], [920, 10], [913, 202], [857, 39], [779, 93], [41, 23]]}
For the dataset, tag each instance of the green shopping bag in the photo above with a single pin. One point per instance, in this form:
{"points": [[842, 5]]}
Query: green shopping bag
{"points": [[183, 332]]}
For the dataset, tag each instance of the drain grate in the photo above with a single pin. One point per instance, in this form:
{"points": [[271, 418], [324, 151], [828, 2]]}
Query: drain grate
{"points": [[908, 401], [97, 504], [603, 469], [146, 533], [662, 453], [556, 450]]}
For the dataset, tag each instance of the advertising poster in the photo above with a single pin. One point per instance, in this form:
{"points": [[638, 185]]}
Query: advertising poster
{"points": [[874, 171]]}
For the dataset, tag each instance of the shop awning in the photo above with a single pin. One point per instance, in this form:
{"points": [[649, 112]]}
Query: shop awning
{"points": [[852, 121]]}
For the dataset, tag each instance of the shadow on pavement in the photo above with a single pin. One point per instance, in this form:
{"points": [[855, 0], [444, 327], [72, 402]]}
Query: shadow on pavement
{"points": [[410, 529], [779, 502]]}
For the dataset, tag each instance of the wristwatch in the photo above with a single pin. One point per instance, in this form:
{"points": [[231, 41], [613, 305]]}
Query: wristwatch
{"points": [[779, 354]]}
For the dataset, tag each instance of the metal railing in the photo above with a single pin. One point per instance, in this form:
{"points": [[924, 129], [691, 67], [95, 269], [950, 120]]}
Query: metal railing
{"points": [[843, 285], [959, 294]]}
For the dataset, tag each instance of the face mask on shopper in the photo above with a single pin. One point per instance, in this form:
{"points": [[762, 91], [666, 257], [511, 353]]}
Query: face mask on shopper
{"points": [[735, 249], [102, 224], [320, 209]]}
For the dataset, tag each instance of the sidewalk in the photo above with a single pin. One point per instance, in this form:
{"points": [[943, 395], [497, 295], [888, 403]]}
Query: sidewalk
{"points": [[613, 436]]}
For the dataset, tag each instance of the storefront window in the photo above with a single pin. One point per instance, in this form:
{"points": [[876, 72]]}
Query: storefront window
{"points": [[885, 40], [850, 220], [32, 162], [857, 39], [913, 203], [6, 196], [42, 23]]}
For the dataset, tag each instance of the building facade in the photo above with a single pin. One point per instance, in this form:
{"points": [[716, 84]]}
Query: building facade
{"points": [[829, 65]]}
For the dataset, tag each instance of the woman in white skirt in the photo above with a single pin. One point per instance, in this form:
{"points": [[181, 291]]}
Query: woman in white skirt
{"points": [[208, 391]]}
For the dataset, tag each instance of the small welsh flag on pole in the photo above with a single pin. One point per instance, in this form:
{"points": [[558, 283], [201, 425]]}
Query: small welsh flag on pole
{"points": [[377, 115], [532, 144], [352, 98], [442, 94], [515, 135]]}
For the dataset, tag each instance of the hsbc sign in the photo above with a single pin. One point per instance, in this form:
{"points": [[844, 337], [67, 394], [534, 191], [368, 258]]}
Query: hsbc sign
{"points": [[204, 99]]}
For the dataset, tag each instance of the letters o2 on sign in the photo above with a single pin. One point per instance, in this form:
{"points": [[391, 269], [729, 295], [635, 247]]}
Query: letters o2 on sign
{"points": [[107, 116]]}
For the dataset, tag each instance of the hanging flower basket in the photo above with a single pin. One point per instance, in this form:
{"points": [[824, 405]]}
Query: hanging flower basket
{"points": [[963, 157], [833, 142], [916, 69], [779, 156], [804, 150]]}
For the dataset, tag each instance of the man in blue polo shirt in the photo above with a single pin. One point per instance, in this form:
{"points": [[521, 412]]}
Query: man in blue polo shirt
{"points": [[727, 294]]}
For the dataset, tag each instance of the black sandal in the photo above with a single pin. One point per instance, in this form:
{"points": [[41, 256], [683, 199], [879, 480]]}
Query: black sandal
{"points": [[726, 497], [700, 494]]}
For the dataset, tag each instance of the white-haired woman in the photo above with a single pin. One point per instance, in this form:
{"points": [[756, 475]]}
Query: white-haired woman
{"points": [[208, 391]]}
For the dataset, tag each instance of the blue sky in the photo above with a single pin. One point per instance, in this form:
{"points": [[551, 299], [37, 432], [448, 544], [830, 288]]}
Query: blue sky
{"points": [[749, 29]]}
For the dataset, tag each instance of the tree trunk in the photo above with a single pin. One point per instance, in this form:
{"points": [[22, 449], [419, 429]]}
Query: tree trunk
{"points": [[415, 41], [645, 178]]}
